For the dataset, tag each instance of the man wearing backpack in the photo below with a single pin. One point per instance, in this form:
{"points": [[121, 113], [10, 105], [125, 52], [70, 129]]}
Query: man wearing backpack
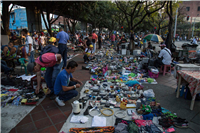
{"points": [[62, 38], [50, 59]]}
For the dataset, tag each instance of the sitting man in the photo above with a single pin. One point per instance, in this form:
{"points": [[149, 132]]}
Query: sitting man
{"points": [[165, 53], [5, 68], [9, 50], [52, 61], [65, 84], [88, 54]]}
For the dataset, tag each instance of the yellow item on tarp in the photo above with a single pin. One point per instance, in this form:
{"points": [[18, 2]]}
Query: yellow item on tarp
{"points": [[4, 95], [24, 101]]}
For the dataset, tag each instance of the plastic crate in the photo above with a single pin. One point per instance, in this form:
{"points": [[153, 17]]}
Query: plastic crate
{"points": [[153, 75]]}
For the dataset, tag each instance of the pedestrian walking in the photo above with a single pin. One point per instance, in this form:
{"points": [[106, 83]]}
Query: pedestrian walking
{"points": [[62, 38]]}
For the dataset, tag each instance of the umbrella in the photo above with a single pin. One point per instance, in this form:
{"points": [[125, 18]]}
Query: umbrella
{"points": [[153, 38]]}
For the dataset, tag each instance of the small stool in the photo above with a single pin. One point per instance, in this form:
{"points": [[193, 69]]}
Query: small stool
{"points": [[165, 69]]}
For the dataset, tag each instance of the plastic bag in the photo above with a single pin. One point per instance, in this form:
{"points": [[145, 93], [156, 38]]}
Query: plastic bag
{"points": [[149, 93]]}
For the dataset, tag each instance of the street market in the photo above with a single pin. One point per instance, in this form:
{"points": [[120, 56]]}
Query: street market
{"points": [[71, 74]]}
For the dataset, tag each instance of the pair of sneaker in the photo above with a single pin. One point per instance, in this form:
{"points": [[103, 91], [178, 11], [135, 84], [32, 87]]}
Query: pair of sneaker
{"points": [[60, 102]]}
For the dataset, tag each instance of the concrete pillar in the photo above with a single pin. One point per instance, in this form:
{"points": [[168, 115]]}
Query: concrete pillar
{"points": [[33, 18], [84, 26]]}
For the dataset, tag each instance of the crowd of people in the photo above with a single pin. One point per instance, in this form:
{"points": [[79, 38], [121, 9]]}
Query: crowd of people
{"points": [[53, 57]]}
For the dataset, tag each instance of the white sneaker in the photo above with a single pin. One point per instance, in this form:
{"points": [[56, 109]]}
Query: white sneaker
{"points": [[60, 102]]}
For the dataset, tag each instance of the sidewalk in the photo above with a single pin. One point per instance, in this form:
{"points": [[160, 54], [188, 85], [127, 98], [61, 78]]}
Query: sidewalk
{"points": [[49, 117]]}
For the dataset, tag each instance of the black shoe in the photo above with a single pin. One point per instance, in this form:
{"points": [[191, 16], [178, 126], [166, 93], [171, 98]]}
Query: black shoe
{"points": [[84, 68], [50, 94], [53, 97]]}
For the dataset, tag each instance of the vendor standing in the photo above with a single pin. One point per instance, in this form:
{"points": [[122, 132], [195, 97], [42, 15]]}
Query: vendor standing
{"points": [[164, 58], [28, 46]]}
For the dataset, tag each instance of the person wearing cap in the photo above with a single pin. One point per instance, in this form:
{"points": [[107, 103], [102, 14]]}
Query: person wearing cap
{"points": [[53, 63], [28, 46], [62, 38], [88, 54], [65, 84], [164, 58]]}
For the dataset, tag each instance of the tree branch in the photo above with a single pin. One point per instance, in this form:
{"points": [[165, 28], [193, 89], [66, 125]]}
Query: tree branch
{"points": [[148, 14]]}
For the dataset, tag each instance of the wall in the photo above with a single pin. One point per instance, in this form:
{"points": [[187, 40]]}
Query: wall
{"points": [[19, 15], [193, 12]]}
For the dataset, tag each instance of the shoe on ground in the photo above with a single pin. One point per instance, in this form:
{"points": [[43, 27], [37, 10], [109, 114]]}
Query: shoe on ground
{"points": [[52, 97], [50, 94], [60, 102]]}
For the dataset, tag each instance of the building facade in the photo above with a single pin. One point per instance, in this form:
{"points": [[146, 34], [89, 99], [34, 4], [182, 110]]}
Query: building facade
{"points": [[18, 19], [191, 9]]}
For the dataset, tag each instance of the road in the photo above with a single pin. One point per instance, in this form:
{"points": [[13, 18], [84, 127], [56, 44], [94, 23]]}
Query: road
{"points": [[177, 43]]}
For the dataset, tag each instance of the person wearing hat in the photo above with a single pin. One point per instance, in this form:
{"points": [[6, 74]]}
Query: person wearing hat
{"points": [[53, 63], [88, 54], [164, 58]]}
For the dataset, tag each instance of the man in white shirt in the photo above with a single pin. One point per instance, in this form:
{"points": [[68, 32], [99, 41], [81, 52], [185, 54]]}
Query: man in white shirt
{"points": [[165, 53], [28, 46], [194, 40]]}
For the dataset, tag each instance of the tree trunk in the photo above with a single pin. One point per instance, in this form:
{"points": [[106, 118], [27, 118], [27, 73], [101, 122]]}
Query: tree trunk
{"points": [[170, 23], [5, 18]]}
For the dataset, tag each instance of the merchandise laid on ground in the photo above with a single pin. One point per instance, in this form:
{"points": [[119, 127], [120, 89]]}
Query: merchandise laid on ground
{"points": [[18, 98], [114, 99]]}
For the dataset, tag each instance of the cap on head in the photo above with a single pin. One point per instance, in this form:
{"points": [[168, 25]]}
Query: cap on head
{"points": [[30, 67], [52, 39], [162, 45], [91, 46]]}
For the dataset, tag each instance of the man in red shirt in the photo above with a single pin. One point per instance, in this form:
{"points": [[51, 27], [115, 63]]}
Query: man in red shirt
{"points": [[94, 40], [53, 62]]}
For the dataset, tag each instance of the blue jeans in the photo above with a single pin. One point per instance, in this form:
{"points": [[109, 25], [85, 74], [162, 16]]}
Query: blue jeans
{"points": [[31, 57], [94, 45], [4, 67], [63, 51], [51, 74], [67, 95]]}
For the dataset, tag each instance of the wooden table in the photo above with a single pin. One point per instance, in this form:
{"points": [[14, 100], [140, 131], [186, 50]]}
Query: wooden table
{"points": [[193, 78]]}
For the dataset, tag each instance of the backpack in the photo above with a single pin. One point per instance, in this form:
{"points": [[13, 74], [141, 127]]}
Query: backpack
{"points": [[48, 49]]}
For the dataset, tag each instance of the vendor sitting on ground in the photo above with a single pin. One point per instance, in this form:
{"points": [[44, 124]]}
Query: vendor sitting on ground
{"points": [[88, 54], [5, 68], [9, 50], [65, 84], [164, 58]]}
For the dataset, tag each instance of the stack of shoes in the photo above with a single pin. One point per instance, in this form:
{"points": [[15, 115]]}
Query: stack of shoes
{"points": [[165, 122], [180, 123]]}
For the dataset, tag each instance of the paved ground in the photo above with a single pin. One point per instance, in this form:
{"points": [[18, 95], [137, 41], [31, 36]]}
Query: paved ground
{"points": [[49, 117]]}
